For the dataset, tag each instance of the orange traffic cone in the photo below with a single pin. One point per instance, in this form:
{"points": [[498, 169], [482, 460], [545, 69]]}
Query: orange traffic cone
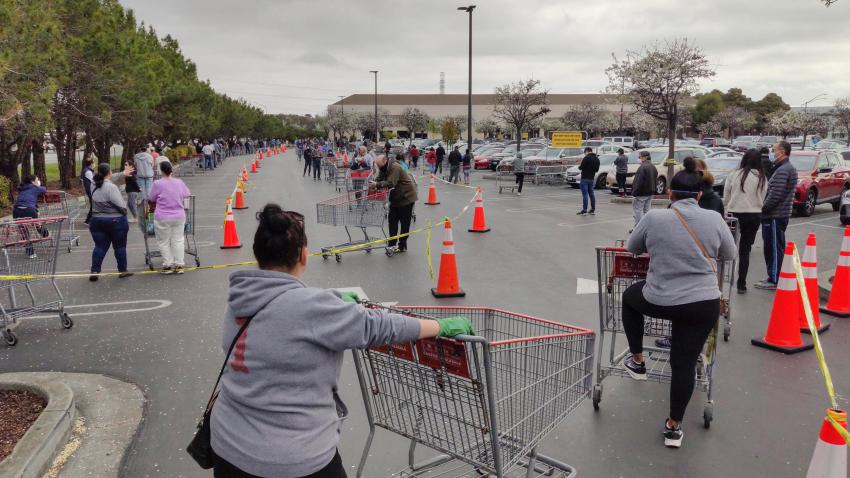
{"points": [[479, 224], [231, 237], [839, 297], [783, 330], [448, 284], [240, 197], [345, 159], [284, 148], [244, 173], [810, 274], [432, 193], [830, 457], [254, 166], [268, 153], [338, 154]]}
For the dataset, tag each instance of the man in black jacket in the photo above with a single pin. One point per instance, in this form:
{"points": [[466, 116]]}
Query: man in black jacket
{"points": [[441, 155], [588, 167], [776, 212], [643, 186], [454, 165]]}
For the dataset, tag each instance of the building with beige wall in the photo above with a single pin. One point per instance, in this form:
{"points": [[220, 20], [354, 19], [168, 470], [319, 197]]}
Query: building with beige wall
{"points": [[453, 105]]}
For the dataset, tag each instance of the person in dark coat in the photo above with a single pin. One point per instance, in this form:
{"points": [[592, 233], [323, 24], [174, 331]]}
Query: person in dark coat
{"points": [[454, 165], [709, 199], [441, 155], [589, 167], [403, 197]]}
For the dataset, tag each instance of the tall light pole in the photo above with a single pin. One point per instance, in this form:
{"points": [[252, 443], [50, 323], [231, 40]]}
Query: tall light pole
{"points": [[342, 112], [818, 97], [375, 72], [469, 10]]}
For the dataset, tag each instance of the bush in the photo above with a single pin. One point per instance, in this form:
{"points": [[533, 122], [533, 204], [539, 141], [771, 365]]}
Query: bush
{"points": [[5, 193], [179, 152]]}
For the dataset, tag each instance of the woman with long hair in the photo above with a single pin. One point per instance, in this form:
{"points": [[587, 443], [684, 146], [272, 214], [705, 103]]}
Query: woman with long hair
{"points": [[681, 286], [108, 224], [709, 199], [743, 195]]}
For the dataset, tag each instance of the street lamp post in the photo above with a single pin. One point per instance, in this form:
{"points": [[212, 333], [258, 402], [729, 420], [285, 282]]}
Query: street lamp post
{"points": [[469, 10], [818, 97], [375, 72], [342, 110]]}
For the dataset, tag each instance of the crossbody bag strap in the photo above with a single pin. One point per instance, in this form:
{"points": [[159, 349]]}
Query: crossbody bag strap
{"points": [[696, 239], [226, 359]]}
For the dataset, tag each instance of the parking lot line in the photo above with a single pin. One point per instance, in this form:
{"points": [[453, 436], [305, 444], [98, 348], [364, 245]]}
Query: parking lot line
{"points": [[157, 304]]}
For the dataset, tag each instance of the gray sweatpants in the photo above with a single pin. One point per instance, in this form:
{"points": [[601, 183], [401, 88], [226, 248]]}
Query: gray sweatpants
{"points": [[641, 206]]}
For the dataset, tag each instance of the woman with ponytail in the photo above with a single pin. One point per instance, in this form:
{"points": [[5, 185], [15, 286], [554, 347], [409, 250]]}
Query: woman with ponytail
{"points": [[684, 244], [278, 413], [108, 224]]}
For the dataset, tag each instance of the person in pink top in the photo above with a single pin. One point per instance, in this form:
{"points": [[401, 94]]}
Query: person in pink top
{"points": [[169, 218]]}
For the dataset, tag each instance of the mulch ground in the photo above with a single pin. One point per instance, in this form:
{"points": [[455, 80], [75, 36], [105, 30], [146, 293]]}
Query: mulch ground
{"points": [[18, 410]]}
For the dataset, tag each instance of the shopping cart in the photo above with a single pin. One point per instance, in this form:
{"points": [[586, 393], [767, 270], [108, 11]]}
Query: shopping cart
{"points": [[728, 279], [505, 178], [29, 248], [360, 209], [618, 269], [330, 168], [59, 204], [484, 401], [149, 234], [358, 179]]}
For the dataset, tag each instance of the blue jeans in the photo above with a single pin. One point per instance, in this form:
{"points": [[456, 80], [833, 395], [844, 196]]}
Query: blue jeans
{"points": [[208, 162], [145, 184], [106, 231], [773, 235], [587, 191]]}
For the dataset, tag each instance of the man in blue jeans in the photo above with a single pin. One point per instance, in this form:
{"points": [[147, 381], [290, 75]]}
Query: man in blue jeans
{"points": [[588, 167], [776, 211]]}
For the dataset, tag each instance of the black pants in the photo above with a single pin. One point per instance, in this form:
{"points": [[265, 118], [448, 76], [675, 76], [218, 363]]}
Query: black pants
{"points": [[748, 226], [691, 324], [520, 178], [223, 469], [440, 166], [621, 182], [401, 215], [307, 164], [20, 212], [454, 173]]}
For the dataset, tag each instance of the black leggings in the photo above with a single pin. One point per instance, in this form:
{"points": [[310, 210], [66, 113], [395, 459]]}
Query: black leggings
{"points": [[520, 178], [224, 469], [691, 324], [400, 215], [748, 225]]}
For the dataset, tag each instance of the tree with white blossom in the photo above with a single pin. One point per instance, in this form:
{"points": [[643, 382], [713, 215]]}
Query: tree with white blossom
{"points": [[521, 104]]}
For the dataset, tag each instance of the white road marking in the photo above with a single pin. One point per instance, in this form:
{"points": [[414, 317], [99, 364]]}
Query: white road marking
{"points": [[156, 304], [586, 286]]}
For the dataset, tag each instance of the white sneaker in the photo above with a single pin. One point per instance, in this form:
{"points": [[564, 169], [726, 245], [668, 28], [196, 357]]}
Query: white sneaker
{"points": [[673, 437]]}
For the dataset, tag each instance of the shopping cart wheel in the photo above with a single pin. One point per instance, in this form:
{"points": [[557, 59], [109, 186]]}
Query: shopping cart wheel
{"points": [[597, 395], [10, 338], [338, 258], [66, 320], [197, 262], [708, 415], [388, 251], [500, 190], [727, 331]]}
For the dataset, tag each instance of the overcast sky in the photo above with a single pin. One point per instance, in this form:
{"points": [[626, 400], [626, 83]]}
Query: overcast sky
{"points": [[298, 56]]}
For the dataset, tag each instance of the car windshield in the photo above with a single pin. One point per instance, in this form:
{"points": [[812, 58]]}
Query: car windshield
{"points": [[571, 152], [803, 163], [592, 143], [655, 156], [723, 163], [767, 139], [607, 159]]}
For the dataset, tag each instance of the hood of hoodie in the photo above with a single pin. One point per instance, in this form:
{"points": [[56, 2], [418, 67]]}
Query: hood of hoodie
{"points": [[26, 187], [250, 291]]}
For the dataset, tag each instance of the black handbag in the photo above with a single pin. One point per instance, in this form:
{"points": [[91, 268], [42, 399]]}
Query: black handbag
{"points": [[199, 448]]}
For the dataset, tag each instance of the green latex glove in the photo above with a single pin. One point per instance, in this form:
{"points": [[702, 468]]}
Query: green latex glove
{"points": [[349, 297], [451, 326]]}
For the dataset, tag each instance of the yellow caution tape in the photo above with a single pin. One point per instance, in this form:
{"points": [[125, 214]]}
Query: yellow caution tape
{"points": [[810, 321], [428, 251]]}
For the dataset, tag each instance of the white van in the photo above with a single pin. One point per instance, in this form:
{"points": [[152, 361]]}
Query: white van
{"points": [[620, 140]]}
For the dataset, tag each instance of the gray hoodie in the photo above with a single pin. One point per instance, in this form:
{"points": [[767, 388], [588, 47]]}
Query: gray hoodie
{"points": [[278, 413]]}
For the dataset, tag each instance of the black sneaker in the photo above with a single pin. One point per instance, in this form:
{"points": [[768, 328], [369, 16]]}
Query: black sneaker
{"points": [[673, 437], [592, 212], [663, 343], [123, 275], [581, 213], [636, 370], [93, 278], [742, 289]]}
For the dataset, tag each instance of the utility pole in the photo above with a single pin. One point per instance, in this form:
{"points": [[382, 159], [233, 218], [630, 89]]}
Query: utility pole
{"points": [[469, 10], [377, 135]]}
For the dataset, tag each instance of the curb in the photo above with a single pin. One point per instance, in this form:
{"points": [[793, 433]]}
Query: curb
{"points": [[34, 453]]}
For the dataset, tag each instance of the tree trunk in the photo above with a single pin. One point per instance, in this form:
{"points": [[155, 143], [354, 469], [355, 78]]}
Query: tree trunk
{"points": [[671, 135], [804, 142], [24, 158], [38, 165]]}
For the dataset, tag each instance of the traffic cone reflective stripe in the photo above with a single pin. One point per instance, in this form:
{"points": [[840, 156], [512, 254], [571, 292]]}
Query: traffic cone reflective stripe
{"points": [[810, 274], [244, 174], [432, 193], [839, 297], [479, 223], [345, 158], [240, 197], [448, 284], [829, 459], [231, 237], [783, 330]]}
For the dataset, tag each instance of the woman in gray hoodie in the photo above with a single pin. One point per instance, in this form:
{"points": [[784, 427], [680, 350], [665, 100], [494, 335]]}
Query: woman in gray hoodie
{"points": [[278, 413]]}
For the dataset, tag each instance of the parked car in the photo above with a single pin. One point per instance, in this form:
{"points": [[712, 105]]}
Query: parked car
{"points": [[510, 152], [611, 148], [714, 142], [606, 164], [830, 144], [562, 155], [844, 212], [482, 157], [822, 178], [719, 152], [720, 167], [846, 155], [766, 141], [657, 156], [620, 140], [527, 153]]}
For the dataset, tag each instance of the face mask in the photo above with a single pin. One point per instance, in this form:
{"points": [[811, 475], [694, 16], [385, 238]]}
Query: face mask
{"points": [[771, 157]]}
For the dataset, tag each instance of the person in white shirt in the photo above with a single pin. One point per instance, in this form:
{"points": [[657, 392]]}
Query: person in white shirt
{"points": [[209, 161], [743, 196]]}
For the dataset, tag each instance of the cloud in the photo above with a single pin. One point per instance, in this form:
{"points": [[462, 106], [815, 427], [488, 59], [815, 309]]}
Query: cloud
{"points": [[323, 48]]}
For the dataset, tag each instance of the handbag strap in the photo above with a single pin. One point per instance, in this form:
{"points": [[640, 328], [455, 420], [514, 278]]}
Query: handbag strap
{"points": [[227, 359], [702, 249]]}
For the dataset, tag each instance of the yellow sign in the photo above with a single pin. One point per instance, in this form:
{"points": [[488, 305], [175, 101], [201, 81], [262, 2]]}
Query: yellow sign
{"points": [[524, 135], [566, 139]]}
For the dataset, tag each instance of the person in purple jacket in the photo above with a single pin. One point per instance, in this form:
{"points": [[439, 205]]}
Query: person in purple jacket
{"points": [[169, 218]]}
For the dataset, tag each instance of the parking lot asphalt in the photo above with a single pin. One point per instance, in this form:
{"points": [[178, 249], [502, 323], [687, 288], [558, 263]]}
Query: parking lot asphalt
{"points": [[164, 333]]}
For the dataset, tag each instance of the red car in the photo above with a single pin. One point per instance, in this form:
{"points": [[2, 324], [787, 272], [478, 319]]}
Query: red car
{"points": [[822, 177], [482, 157]]}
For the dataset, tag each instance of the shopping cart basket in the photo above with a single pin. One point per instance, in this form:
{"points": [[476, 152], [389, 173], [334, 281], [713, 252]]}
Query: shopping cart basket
{"points": [[360, 209], [149, 234], [29, 248], [58, 204], [618, 269], [484, 401], [727, 284], [505, 178], [342, 176]]}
